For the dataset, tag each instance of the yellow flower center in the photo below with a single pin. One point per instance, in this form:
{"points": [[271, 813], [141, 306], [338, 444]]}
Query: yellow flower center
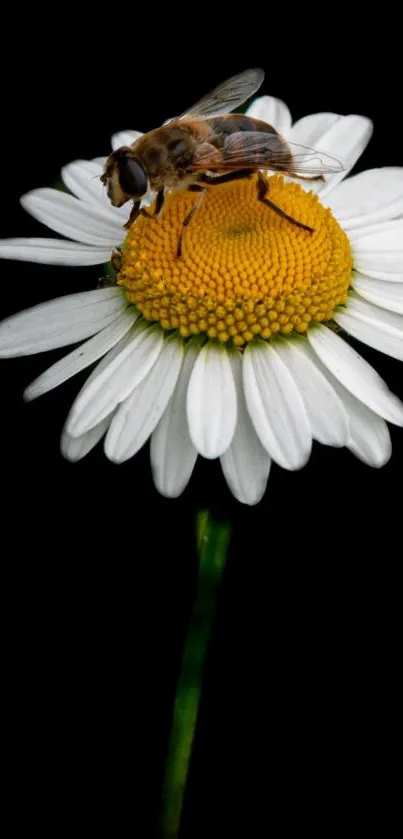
{"points": [[244, 270]]}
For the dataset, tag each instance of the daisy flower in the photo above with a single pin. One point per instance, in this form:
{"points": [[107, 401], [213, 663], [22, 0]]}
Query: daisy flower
{"points": [[236, 350]]}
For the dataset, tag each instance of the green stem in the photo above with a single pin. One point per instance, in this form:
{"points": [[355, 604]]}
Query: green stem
{"points": [[212, 539]]}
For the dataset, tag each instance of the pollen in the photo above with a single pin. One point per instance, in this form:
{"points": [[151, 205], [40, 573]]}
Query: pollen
{"points": [[244, 271]]}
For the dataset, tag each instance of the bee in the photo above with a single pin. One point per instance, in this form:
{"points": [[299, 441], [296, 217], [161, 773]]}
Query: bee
{"points": [[209, 145]]}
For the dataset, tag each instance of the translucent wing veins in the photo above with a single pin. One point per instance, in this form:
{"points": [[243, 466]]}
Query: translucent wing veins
{"points": [[227, 96]]}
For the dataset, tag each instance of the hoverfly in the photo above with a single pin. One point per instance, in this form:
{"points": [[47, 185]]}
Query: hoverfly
{"points": [[206, 146]]}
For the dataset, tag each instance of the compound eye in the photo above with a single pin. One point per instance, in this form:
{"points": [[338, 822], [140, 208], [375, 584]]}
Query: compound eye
{"points": [[132, 177]]}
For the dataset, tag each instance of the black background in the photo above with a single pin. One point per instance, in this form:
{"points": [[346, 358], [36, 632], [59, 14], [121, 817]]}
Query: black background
{"points": [[297, 728]]}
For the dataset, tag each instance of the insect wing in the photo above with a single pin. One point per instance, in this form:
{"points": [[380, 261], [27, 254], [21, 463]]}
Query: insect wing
{"points": [[312, 161], [227, 96], [261, 150]]}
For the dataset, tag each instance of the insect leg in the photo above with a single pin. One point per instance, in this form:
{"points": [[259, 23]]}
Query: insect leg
{"points": [[133, 215], [227, 178], [106, 282], [158, 206], [262, 190], [116, 259], [305, 178], [116, 262], [189, 216]]}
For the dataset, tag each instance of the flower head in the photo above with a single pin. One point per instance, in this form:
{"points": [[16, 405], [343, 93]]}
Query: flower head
{"points": [[234, 350]]}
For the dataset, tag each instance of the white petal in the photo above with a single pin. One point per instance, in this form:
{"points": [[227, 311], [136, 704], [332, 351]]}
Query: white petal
{"points": [[59, 322], [124, 138], [137, 417], [148, 198], [387, 320], [380, 249], [345, 140], [275, 406], [67, 439], [98, 369], [355, 374], [310, 129], [355, 303], [369, 437], [371, 196], [385, 276], [91, 224], [83, 356], [172, 452], [387, 295], [326, 415], [375, 327], [384, 236], [273, 111], [390, 272], [53, 252], [82, 177], [356, 233], [211, 401], [371, 443], [116, 381], [75, 448], [245, 464]]}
